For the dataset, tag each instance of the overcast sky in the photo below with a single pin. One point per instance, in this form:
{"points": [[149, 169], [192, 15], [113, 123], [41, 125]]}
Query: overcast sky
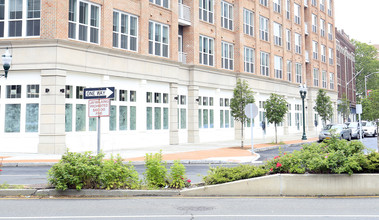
{"points": [[359, 19]]}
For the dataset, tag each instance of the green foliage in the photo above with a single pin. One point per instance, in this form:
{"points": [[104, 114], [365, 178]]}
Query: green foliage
{"points": [[372, 165], [116, 175], [177, 177], [366, 60], [324, 106], [331, 156], [370, 106], [276, 108], [344, 107], [85, 171], [156, 171], [217, 175]]}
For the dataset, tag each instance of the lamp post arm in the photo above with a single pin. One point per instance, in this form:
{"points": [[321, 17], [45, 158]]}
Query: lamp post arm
{"points": [[354, 77]]}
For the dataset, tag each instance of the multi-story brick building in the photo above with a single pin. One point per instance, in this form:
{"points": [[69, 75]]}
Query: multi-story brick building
{"points": [[174, 65], [346, 72]]}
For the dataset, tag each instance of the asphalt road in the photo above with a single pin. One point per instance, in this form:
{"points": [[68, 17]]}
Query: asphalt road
{"points": [[195, 172], [191, 208]]}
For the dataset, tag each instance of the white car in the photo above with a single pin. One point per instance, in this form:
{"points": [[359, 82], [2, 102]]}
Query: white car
{"points": [[369, 128]]}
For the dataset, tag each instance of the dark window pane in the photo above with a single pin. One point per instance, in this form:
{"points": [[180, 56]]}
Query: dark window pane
{"points": [[33, 28], [15, 28], [82, 33], [71, 30]]}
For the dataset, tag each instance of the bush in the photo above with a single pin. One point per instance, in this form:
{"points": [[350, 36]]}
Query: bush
{"points": [[116, 175], [331, 156], [85, 171], [217, 175], [156, 171], [372, 163], [177, 178]]}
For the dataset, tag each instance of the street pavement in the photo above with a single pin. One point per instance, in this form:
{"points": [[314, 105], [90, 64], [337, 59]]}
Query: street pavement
{"points": [[215, 152]]}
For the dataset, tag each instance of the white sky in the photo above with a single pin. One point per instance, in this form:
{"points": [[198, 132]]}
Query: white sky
{"points": [[359, 19]]}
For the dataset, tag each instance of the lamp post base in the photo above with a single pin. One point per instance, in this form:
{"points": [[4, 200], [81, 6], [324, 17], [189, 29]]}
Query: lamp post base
{"points": [[304, 137]]}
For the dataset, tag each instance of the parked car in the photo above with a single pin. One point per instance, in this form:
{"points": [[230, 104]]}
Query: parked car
{"points": [[369, 128], [355, 129], [341, 130]]}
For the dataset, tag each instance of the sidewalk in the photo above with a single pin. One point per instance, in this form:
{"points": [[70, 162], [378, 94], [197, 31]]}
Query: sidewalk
{"points": [[215, 152]]}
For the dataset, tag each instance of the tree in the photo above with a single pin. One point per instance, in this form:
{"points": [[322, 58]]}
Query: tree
{"points": [[366, 60], [324, 106], [344, 107], [370, 106], [242, 95], [276, 108]]}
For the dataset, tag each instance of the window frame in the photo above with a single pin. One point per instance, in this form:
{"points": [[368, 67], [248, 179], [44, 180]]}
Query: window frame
{"points": [[207, 9], [278, 39], [227, 55], [249, 59], [299, 72], [203, 53], [161, 3], [265, 63], [153, 41], [316, 76], [297, 13], [128, 35], [277, 6], [278, 67], [248, 24], [298, 43], [227, 16], [264, 28]]}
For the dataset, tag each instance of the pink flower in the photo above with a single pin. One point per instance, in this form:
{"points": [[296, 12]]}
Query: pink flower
{"points": [[276, 157], [271, 170], [278, 165], [326, 157], [189, 181]]}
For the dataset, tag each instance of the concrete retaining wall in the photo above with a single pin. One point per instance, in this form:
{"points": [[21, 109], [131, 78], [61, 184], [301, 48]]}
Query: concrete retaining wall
{"points": [[294, 185]]}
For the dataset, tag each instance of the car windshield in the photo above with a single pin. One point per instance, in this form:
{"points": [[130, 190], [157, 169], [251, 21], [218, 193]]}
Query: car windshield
{"points": [[365, 123], [329, 127], [353, 125]]}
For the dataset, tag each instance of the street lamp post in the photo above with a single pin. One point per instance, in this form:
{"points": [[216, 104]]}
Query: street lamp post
{"points": [[366, 82], [7, 60], [303, 94]]}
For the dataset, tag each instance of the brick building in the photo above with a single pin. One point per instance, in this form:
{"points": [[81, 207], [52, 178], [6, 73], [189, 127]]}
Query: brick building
{"points": [[174, 66], [346, 72]]}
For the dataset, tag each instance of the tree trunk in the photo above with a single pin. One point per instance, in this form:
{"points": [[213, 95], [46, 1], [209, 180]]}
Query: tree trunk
{"points": [[276, 135]]}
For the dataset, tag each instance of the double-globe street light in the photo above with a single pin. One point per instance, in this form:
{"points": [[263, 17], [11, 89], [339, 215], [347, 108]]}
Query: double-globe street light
{"points": [[303, 94], [7, 60]]}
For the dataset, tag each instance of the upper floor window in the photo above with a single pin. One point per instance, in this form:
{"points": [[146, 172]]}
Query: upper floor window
{"points": [[278, 6], [289, 70], [297, 13], [314, 3], [315, 49], [322, 5], [277, 34], [32, 91], [263, 2], [331, 80], [288, 37], [315, 76], [265, 64], [324, 78], [278, 67], [249, 59], [227, 55], [314, 23], [84, 21], [206, 50], [125, 29], [206, 10], [13, 91], [20, 18], [331, 55], [297, 43], [248, 22], [263, 28], [162, 3], [330, 31], [158, 39], [226, 15], [288, 9], [322, 27], [298, 70], [330, 7], [323, 53]]}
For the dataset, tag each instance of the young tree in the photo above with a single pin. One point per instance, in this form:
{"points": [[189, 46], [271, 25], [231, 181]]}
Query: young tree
{"points": [[370, 106], [276, 108], [242, 95], [344, 107], [324, 106]]}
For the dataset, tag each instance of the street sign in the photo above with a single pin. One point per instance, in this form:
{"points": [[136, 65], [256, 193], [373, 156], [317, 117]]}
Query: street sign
{"points": [[358, 109], [99, 108], [251, 110], [99, 93]]}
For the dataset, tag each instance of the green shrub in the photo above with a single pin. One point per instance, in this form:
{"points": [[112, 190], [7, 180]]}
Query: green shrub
{"points": [[156, 171], [331, 156], [116, 175], [217, 175], [372, 163], [76, 171], [177, 178]]}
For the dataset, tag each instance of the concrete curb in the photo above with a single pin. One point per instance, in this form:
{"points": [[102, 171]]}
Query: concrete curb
{"points": [[16, 192], [284, 145]]}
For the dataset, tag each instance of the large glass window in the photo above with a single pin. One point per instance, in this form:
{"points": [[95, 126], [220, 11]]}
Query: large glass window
{"points": [[68, 117], [248, 22], [12, 118], [14, 21], [133, 117], [331, 56], [288, 39], [323, 53], [249, 59], [315, 49], [288, 9], [315, 76], [277, 6], [226, 15], [298, 70], [227, 56], [324, 78], [80, 122], [158, 39], [297, 13], [314, 23], [206, 51], [331, 80], [84, 21], [125, 31], [278, 67], [330, 31], [322, 27], [123, 118], [263, 28], [277, 34], [289, 70], [31, 119], [113, 118], [265, 64], [297, 43], [206, 10]]}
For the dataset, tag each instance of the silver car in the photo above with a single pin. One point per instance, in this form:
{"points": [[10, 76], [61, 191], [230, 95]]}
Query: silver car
{"points": [[341, 130], [369, 128], [355, 129]]}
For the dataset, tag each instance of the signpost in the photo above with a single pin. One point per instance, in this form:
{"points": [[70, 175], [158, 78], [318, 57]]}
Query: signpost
{"points": [[99, 105], [359, 112], [251, 110]]}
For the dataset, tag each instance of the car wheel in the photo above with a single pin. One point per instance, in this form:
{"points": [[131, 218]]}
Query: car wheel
{"points": [[349, 139], [375, 134]]}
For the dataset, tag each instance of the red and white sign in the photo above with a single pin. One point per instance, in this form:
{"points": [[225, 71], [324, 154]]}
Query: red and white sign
{"points": [[99, 108]]}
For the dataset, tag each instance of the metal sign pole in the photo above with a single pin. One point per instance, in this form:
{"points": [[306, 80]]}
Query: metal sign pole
{"points": [[98, 135], [252, 126]]}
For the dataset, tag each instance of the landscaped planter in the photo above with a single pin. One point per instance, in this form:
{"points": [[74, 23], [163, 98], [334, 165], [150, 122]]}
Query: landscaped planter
{"points": [[294, 185]]}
